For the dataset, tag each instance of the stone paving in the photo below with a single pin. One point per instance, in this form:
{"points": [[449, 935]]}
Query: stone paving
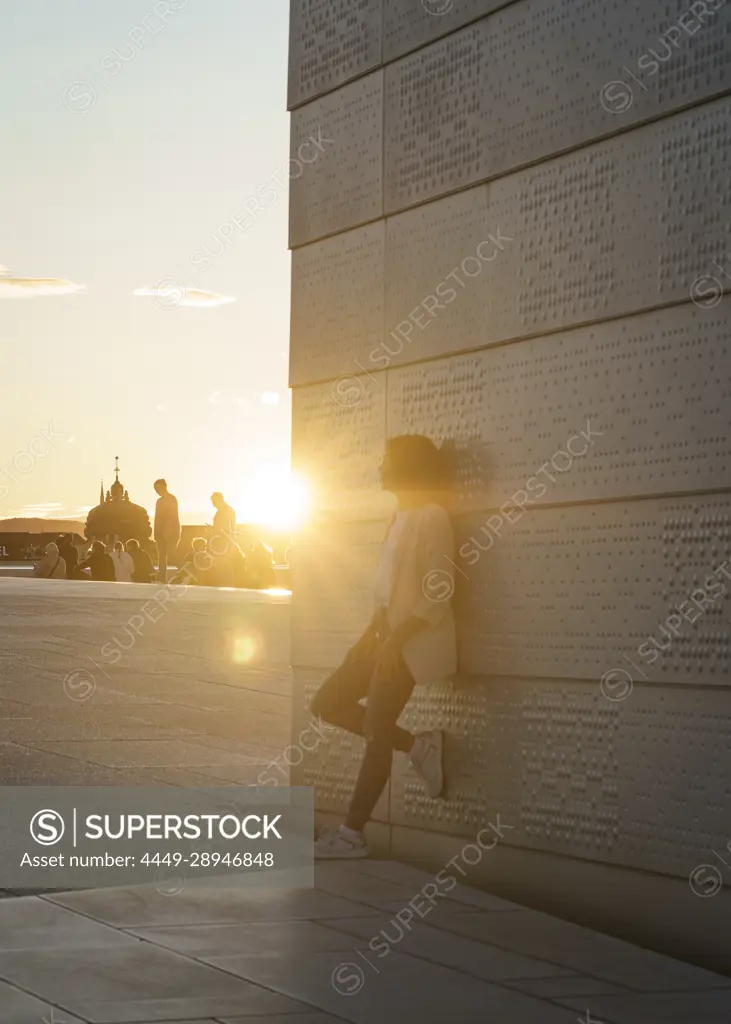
{"points": [[118, 956], [202, 697], [199, 696]]}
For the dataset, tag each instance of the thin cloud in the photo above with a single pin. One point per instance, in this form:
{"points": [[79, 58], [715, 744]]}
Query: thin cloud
{"points": [[169, 295], [31, 287]]}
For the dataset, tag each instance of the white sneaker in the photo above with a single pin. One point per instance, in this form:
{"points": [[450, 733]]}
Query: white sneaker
{"points": [[340, 844], [427, 757]]}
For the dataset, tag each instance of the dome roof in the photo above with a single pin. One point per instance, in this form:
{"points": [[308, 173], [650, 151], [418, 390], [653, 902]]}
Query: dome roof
{"points": [[117, 517]]}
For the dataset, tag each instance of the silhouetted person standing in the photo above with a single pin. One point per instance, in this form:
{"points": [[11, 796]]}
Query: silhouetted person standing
{"points": [[224, 521], [222, 545], [167, 528]]}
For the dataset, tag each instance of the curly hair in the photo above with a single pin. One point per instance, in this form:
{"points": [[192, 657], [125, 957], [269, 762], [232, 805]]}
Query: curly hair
{"points": [[416, 463]]}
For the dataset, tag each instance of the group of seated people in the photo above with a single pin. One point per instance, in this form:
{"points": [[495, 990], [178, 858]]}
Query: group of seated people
{"points": [[251, 567], [125, 563], [130, 563]]}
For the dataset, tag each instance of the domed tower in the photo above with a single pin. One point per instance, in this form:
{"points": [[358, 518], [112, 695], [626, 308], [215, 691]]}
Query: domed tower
{"points": [[116, 517]]}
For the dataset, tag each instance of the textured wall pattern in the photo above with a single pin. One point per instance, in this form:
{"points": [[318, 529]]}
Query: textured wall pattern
{"points": [[618, 227], [653, 391], [572, 772], [567, 592], [330, 42], [409, 24], [535, 79], [518, 242], [334, 445], [579, 775], [622, 225], [344, 185], [337, 295]]}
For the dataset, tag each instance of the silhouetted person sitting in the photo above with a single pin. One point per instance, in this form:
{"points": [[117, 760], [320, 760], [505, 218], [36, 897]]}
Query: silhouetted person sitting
{"points": [[198, 568], [51, 566], [99, 563], [123, 564], [261, 566], [70, 555], [258, 571], [144, 570]]}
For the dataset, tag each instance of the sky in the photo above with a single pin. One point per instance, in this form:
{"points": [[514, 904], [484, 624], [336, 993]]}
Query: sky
{"points": [[129, 135]]}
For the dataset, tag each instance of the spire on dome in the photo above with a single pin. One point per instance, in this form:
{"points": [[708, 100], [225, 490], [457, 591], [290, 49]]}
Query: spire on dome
{"points": [[117, 488], [101, 494]]}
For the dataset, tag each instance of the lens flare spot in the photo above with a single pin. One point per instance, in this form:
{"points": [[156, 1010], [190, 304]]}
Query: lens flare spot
{"points": [[245, 649]]}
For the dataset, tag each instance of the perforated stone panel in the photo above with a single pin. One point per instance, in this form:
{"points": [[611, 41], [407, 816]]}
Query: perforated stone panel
{"points": [[637, 589], [538, 78], [577, 592], [436, 103], [591, 68], [337, 308], [338, 442], [569, 771], [626, 224], [646, 399], [593, 711], [330, 42], [644, 404], [344, 185], [445, 261], [432, 306], [573, 773], [412, 23]]}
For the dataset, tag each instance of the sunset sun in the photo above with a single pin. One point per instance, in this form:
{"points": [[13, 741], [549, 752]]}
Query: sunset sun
{"points": [[276, 499]]}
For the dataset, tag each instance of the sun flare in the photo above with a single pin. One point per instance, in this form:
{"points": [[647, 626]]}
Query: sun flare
{"points": [[277, 499]]}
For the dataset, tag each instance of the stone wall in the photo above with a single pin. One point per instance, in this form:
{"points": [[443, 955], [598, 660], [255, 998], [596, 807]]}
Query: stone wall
{"points": [[516, 237]]}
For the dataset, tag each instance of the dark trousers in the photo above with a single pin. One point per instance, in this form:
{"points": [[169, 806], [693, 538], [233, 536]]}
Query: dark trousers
{"points": [[166, 551], [338, 703]]}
